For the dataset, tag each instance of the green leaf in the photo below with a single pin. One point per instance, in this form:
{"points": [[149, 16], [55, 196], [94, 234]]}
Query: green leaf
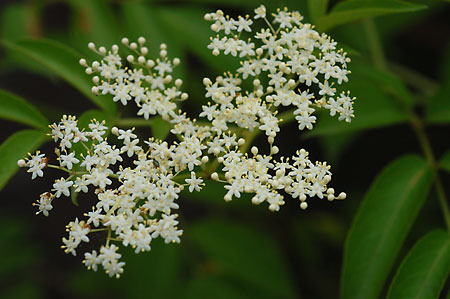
{"points": [[16, 147], [95, 22], [17, 21], [424, 270], [444, 163], [213, 287], [437, 110], [160, 128], [156, 273], [381, 224], [239, 252], [13, 107], [387, 81], [63, 61], [353, 10], [374, 106], [317, 8]]}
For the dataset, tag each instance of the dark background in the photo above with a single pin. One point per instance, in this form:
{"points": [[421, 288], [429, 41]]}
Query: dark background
{"points": [[228, 250]]}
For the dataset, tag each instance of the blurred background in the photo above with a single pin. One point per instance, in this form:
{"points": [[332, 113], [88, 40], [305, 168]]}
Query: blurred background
{"points": [[228, 250]]}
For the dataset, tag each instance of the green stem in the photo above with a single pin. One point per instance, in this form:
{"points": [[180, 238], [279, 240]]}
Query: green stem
{"points": [[420, 82], [133, 122], [249, 136], [379, 61], [428, 152], [375, 44], [108, 238]]}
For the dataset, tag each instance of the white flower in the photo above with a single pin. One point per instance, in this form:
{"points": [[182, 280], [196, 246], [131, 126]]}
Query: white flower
{"points": [[45, 203], [62, 187], [68, 160], [91, 260], [36, 163], [260, 12], [194, 183]]}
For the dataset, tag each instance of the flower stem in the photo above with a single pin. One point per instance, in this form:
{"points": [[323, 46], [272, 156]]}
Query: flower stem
{"points": [[428, 152], [133, 122], [379, 61], [375, 44]]}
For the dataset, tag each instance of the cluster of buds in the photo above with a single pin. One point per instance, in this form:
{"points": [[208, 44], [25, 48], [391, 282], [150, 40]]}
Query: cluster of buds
{"points": [[138, 207]]}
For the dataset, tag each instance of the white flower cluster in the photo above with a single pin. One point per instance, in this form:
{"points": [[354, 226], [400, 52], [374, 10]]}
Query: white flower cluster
{"points": [[138, 206], [148, 82], [292, 65]]}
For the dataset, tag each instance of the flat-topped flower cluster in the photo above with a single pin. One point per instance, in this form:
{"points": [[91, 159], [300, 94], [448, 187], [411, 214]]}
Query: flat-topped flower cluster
{"points": [[137, 183]]}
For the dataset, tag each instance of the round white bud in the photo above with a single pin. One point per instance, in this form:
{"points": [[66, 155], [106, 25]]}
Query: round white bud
{"points": [[303, 205], [269, 89], [241, 141], [95, 79], [330, 191], [88, 71], [215, 27], [259, 93], [205, 159], [184, 96], [220, 160], [227, 197], [94, 90], [178, 83], [270, 139], [91, 46], [342, 195], [115, 48], [214, 176], [115, 131], [206, 81], [163, 46], [254, 150], [216, 52], [207, 17], [21, 163], [176, 61], [167, 79], [144, 51], [141, 60], [125, 41], [327, 178], [133, 46], [83, 62], [102, 50], [259, 52], [279, 173], [163, 53], [302, 197], [150, 63], [330, 197], [274, 149], [95, 65], [256, 82], [216, 151], [291, 83], [130, 58], [141, 40]]}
